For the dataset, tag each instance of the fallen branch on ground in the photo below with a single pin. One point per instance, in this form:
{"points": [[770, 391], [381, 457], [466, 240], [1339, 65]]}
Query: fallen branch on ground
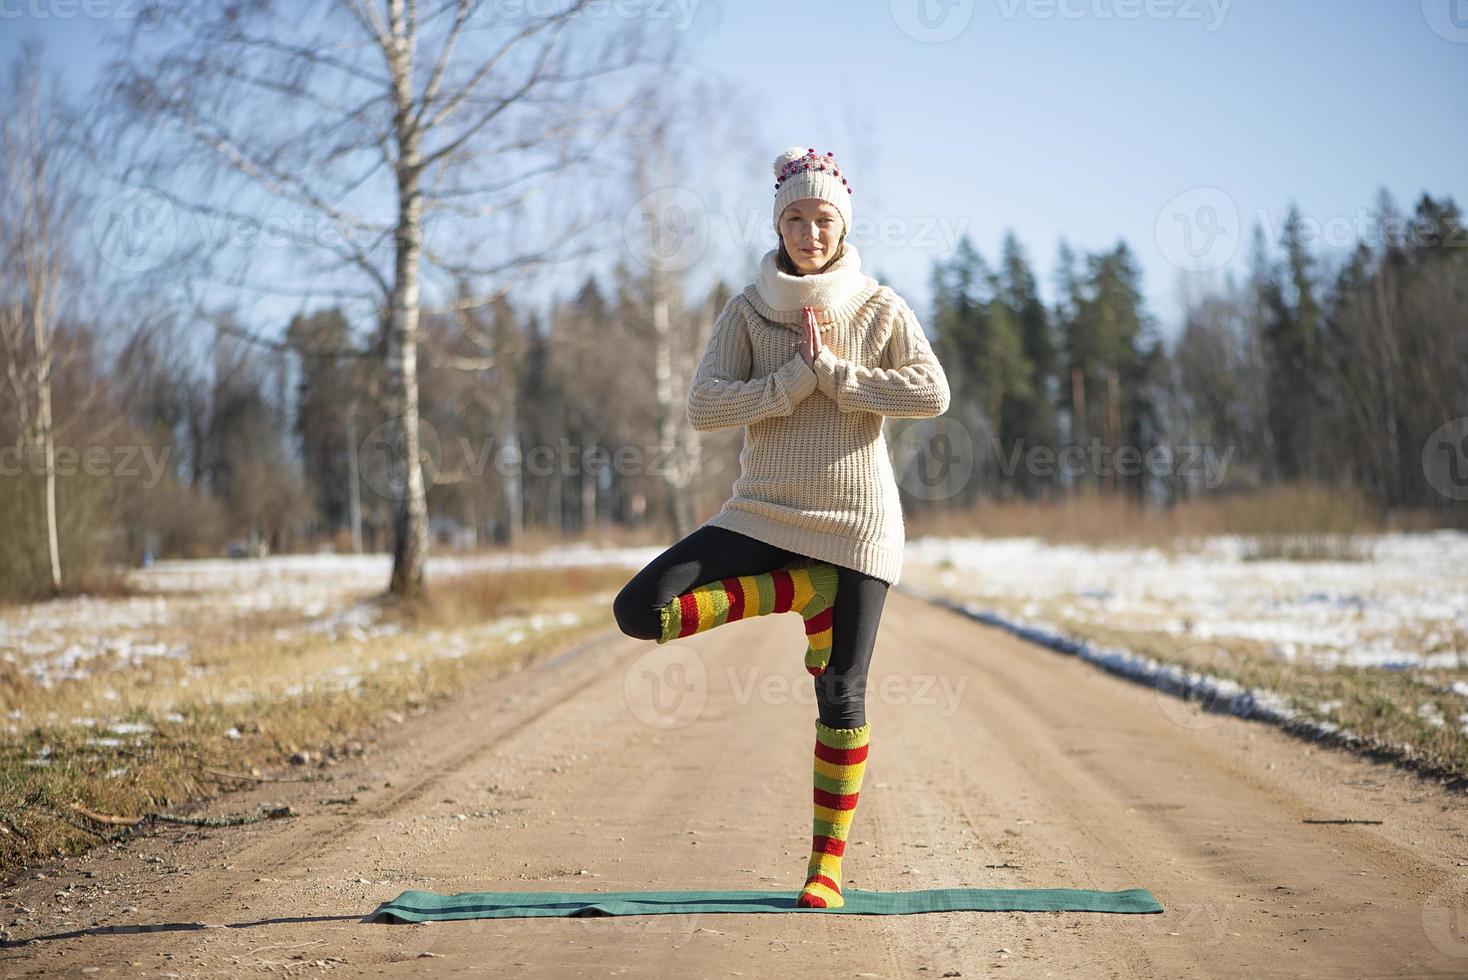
{"points": [[270, 813]]}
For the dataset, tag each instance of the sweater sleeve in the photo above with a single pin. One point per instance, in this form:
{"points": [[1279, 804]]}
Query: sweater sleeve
{"points": [[910, 382], [723, 396]]}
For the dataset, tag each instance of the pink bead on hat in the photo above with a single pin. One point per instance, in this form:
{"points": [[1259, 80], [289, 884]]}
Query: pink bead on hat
{"points": [[802, 173]]}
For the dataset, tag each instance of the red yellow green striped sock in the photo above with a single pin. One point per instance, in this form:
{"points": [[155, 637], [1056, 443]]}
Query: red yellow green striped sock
{"points": [[807, 589], [840, 763], [818, 615]]}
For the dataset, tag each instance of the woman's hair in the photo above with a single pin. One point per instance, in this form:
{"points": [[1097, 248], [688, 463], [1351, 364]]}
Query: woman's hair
{"points": [[787, 265]]}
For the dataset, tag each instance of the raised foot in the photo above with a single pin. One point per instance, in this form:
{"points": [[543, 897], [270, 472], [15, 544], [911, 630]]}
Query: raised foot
{"points": [[818, 613]]}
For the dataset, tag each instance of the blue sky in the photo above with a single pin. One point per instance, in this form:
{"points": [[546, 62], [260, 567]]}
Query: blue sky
{"points": [[1087, 127], [1172, 124]]}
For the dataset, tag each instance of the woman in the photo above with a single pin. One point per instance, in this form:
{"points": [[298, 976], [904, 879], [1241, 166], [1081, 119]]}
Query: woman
{"points": [[808, 360]]}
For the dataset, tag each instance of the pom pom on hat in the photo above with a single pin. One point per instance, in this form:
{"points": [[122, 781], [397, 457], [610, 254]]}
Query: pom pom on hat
{"points": [[801, 172], [788, 157]]}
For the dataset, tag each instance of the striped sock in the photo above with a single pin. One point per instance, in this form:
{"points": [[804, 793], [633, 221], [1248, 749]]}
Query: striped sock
{"points": [[840, 762], [818, 614], [809, 590]]}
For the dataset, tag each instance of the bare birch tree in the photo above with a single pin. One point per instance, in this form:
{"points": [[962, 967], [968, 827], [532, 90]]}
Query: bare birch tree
{"points": [[41, 193], [388, 122]]}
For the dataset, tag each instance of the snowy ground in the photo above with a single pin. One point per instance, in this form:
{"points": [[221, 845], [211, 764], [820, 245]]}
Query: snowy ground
{"points": [[77, 639], [1404, 610], [1408, 607]]}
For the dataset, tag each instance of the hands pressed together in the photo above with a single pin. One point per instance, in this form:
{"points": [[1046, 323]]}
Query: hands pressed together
{"points": [[810, 341]]}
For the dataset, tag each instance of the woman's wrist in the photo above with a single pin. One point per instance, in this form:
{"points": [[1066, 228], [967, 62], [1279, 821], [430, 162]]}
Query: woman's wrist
{"points": [[824, 368]]}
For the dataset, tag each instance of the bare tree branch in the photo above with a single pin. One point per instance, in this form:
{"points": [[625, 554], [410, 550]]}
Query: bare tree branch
{"points": [[487, 67]]}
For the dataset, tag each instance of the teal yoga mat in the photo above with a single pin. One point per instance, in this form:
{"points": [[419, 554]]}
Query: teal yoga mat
{"points": [[413, 906]]}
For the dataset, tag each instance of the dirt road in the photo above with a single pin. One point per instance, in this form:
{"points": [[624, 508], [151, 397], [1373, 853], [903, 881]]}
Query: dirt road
{"points": [[620, 765]]}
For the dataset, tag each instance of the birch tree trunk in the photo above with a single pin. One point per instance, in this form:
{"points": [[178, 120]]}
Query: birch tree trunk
{"points": [[45, 435], [410, 505], [40, 199]]}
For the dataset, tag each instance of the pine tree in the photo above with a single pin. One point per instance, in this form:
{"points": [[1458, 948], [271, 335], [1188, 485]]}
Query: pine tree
{"points": [[1292, 337], [324, 400], [1029, 415]]}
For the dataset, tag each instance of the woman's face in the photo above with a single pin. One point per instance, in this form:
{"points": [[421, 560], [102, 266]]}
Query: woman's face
{"points": [[811, 229]]}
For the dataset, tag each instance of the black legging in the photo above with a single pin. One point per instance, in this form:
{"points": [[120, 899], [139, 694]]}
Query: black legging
{"points": [[710, 553]]}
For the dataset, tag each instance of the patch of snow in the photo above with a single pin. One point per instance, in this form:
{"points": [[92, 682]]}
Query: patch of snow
{"points": [[76, 638], [1403, 608], [1430, 714]]}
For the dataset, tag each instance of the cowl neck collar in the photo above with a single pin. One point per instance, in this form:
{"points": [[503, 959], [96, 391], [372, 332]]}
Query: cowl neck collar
{"points": [[840, 290]]}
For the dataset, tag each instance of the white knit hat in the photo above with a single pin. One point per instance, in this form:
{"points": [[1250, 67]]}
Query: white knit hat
{"points": [[801, 173]]}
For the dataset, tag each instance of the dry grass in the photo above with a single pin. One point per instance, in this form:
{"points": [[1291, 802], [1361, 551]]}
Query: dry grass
{"points": [[99, 584], [1302, 522], [291, 697], [463, 600], [534, 540]]}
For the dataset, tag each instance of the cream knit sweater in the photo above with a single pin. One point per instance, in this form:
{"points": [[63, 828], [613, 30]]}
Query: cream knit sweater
{"points": [[815, 475]]}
